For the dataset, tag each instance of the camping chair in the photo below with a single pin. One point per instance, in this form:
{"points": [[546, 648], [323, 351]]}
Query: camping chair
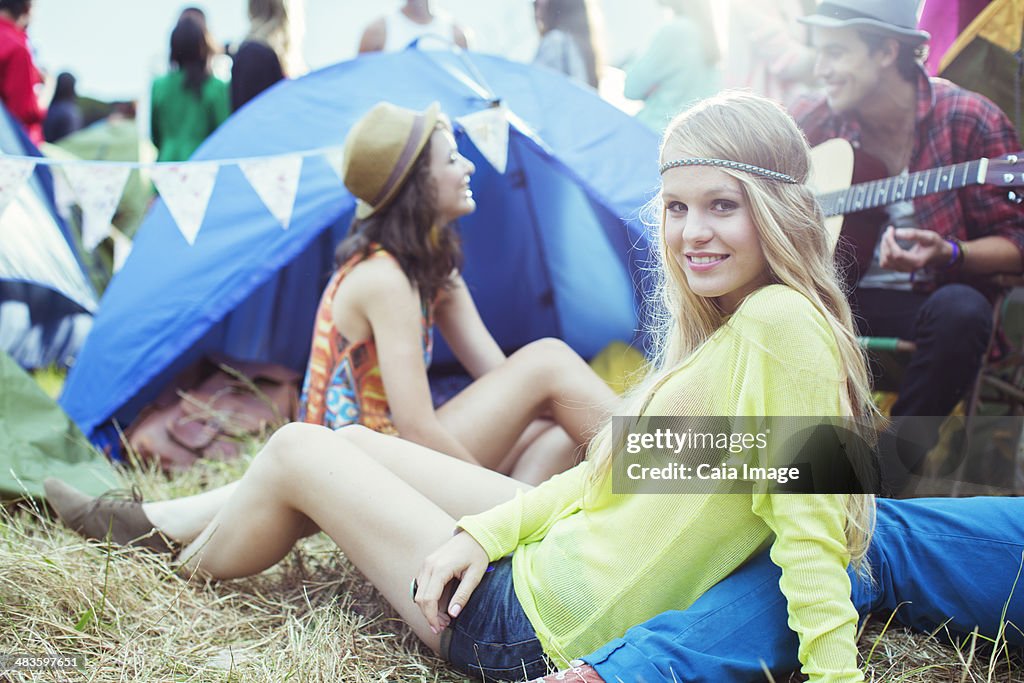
{"points": [[1000, 380]]}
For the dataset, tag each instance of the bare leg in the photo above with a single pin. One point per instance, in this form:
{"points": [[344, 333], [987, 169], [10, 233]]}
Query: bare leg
{"points": [[384, 525], [543, 378], [550, 453], [492, 417], [459, 489], [182, 519], [533, 431]]}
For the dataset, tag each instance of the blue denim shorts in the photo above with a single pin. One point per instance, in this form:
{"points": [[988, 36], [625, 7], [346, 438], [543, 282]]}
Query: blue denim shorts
{"points": [[492, 639]]}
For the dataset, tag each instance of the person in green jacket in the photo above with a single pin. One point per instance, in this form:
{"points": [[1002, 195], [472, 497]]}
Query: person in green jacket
{"points": [[189, 102]]}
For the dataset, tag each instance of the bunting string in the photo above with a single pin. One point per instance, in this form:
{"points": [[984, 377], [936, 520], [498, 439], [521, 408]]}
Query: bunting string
{"points": [[187, 186], [231, 161]]}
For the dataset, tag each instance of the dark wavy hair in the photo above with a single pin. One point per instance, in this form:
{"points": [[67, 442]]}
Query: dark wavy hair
{"points": [[428, 253], [190, 52], [909, 58], [65, 88], [15, 7]]}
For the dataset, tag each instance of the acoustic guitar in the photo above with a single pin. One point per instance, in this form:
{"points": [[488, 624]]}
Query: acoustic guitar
{"points": [[852, 189]]}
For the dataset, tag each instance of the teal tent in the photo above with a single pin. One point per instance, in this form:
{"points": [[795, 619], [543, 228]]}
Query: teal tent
{"points": [[38, 440]]}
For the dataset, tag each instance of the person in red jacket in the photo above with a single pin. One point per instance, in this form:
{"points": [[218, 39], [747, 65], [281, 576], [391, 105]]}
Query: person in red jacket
{"points": [[18, 74]]}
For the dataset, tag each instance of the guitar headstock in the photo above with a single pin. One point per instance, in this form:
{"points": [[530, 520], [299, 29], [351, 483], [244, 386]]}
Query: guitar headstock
{"points": [[1006, 171]]}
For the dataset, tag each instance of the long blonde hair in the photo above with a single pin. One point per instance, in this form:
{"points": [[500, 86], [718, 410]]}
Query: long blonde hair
{"points": [[739, 126]]}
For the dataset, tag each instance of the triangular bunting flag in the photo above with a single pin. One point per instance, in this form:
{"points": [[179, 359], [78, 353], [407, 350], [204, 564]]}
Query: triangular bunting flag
{"points": [[276, 180], [334, 158], [98, 188], [186, 189], [13, 174], [488, 129]]}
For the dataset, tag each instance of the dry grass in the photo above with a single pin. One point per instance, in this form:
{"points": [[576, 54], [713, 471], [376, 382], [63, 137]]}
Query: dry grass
{"points": [[311, 618]]}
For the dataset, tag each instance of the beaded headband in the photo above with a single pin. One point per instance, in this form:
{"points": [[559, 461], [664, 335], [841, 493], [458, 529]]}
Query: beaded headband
{"points": [[735, 165]]}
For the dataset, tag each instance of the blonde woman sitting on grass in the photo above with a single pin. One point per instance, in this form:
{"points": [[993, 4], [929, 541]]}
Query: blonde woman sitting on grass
{"points": [[754, 324]]}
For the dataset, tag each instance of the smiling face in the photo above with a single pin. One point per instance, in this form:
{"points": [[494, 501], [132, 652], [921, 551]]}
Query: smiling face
{"points": [[710, 233], [850, 71], [450, 172]]}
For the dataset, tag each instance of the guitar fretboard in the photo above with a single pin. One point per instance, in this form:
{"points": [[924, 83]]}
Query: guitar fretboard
{"points": [[864, 196]]}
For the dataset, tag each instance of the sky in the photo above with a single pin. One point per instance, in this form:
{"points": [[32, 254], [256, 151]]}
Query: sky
{"points": [[116, 47]]}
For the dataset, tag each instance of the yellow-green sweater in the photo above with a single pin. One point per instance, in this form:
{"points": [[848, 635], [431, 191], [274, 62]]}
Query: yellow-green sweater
{"points": [[584, 573]]}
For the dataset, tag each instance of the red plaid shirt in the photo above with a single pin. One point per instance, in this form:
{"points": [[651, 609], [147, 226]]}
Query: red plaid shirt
{"points": [[953, 125]]}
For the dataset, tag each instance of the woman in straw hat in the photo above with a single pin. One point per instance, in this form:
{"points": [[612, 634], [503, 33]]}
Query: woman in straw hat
{"points": [[397, 276], [754, 324]]}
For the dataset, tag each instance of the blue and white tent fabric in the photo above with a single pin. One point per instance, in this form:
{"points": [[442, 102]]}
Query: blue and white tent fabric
{"points": [[46, 298], [555, 247]]}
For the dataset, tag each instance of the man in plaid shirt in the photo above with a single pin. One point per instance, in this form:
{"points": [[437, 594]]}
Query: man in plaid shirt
{"points": [[928, 280], [879, 98]]}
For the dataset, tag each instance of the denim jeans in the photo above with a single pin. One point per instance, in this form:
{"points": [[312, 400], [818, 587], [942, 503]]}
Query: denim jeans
{"points": [[492, 639], [935, 561]]}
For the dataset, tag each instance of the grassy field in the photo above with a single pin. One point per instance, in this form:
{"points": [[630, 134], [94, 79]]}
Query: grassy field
{"points": [[311, 618]]}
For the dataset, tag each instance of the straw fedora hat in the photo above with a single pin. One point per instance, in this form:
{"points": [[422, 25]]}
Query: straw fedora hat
{"points": [[895, 18], [380, 151]]}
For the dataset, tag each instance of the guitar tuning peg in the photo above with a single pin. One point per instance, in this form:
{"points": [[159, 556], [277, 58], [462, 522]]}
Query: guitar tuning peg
{"points": [[1007, 178], [1014, 197], [1012, 158]]}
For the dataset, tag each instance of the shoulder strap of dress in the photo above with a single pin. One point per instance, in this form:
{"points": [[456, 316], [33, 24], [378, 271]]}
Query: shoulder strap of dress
{"points": [[359, 257]]}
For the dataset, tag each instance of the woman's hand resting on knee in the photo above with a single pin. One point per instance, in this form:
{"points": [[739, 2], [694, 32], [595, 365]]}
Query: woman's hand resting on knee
{"points": [[460, 558]]}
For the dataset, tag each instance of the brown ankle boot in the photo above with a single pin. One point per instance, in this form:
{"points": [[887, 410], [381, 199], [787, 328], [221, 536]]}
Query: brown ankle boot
{"points": [[115, 516]]}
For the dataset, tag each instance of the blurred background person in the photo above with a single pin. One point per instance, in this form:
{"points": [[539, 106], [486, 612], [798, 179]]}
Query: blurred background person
{"points": [[680, 65], [197, 15], [271, 51], [394, 31], [570, 40], [19, 76], [64, 116], [189, 102], [220, 63], [769, 50]]}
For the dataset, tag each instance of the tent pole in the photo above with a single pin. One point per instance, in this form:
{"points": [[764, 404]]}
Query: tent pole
{"points": [[532, 209]]}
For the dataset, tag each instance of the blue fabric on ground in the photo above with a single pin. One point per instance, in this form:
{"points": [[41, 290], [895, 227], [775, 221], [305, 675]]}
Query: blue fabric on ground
{"points": [[939, 562]]}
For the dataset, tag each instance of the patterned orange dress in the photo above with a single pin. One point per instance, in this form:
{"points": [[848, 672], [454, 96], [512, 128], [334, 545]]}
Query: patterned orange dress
{"points": [[343, 384]]}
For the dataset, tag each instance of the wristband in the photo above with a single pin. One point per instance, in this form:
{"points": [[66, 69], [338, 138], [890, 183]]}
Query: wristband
{"points": [[957, 258]]}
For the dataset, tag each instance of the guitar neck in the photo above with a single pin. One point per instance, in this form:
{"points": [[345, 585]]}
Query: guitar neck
{"points": [[864, 196]]}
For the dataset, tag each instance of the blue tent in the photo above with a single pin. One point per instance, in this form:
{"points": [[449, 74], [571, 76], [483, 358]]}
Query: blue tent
{"points": [[549, 252], [46, 298]]}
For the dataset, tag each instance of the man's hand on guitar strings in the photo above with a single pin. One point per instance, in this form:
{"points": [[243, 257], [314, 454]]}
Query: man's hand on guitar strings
{"points": [[925, 249]]}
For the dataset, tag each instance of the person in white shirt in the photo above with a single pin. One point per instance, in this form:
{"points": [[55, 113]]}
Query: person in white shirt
{"points": [[395, 31]]}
